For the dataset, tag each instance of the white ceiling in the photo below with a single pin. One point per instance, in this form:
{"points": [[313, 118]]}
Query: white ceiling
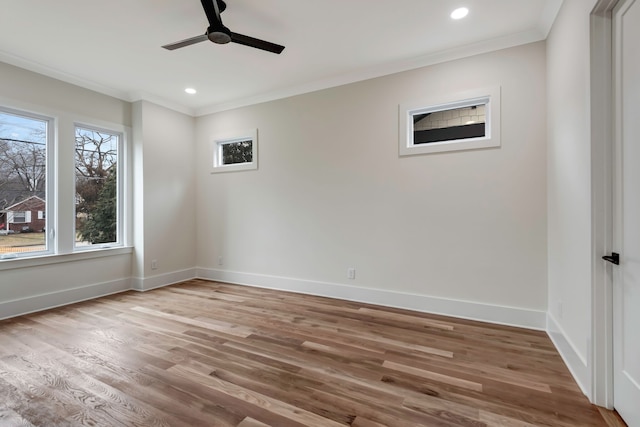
{"points": [[113, 46]]}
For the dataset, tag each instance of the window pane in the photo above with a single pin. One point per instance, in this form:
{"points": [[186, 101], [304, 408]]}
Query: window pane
{"points": [[449, 125], [96, 187], [23, 171], [237, 152]]}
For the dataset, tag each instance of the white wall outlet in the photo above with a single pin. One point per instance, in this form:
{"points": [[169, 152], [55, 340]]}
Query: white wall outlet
{"points": [[154, 264], [351, 273], [220, 260]]}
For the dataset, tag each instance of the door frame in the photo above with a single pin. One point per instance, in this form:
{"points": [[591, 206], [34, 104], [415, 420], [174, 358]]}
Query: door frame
{"points": [[602, 190]]}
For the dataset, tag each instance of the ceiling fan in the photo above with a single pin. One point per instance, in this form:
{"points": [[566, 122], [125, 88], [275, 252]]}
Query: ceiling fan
{"points": [[220, 34]]}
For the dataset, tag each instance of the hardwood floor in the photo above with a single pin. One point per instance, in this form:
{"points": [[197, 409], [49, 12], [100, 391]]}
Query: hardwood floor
{"points": [[209, 354]]}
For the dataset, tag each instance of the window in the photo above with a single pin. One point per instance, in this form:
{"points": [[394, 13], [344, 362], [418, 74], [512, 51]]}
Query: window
{"points": [[88, 206], [463, 121], [97, 187], [24, 142], [236, 152], [19, 217]]}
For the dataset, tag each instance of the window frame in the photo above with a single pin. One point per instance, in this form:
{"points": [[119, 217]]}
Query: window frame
{"points": [[240, 136], [60, 188], [489, 97], [19, 214], [120, 188]]}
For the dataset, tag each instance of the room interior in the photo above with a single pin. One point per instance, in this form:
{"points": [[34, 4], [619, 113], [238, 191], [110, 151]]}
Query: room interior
{"points": [[500, 235]]}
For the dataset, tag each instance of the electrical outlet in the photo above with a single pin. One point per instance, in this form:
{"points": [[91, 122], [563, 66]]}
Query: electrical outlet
{"points": [[351, 273], [154, 264], [220, 260]]}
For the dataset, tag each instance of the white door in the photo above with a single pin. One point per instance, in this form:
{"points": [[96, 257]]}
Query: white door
{"points": [[626, 282]]}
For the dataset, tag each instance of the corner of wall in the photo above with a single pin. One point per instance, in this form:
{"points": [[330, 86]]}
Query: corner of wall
{"points": [[578, 366], [148, 283]]}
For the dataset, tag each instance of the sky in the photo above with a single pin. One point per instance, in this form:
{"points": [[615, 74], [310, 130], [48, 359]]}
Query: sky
{"points": [[21, 128]]}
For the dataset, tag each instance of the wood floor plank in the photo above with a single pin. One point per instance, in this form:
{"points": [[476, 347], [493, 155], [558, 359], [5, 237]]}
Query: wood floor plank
{"points": [[458, 382], [213, 354], [250, 422]]}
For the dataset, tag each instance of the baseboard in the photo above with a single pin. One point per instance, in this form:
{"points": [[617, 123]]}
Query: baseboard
{"points": [[153, 282], [577, 364], [50, 300], [57, 299], [524, 318]]}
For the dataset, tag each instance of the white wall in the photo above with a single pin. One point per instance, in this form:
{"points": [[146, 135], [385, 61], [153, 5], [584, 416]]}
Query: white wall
{"points": [[24, 285], [332, 193], [569, 185], [163, 175], [29, 88], [164, 195]]}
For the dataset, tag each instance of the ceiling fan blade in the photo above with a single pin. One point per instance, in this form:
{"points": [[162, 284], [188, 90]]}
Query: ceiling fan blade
{"points": [[186, 42], [257, 43]]}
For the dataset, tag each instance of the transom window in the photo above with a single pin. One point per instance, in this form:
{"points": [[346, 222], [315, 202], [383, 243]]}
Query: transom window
{"points": [[462, 121], [450, 125], [236, 152]]}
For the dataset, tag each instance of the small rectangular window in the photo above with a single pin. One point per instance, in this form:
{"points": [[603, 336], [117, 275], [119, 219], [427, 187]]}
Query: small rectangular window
{"points": [[449, 125], [97, 207], [19, 217], [236, 152], [462, 121]]}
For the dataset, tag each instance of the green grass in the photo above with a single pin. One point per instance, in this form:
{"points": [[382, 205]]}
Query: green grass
{"points": [[22, 239]]}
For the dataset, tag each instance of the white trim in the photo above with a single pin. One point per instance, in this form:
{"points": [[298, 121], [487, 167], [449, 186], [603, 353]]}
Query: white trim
{"points": [[50, 72], [49, 259], [121, 190], [139, 95], [240, 136], [47, 301], [578, 366], [548, 16], [511, 316], [32, 304], [367, 73], [161, 280], [489, 97], [601, 349]]}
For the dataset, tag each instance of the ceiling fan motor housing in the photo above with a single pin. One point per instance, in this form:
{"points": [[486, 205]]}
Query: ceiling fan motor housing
{"points": [[219, 36]]}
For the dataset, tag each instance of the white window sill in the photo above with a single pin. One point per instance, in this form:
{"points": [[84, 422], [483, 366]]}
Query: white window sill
{"points": [[48, 259]]}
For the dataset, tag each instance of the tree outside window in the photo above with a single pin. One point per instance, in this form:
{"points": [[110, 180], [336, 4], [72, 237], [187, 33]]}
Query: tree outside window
{"points": [[96, 186]]}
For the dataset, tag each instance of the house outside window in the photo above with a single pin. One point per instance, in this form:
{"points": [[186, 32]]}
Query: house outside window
{"points": [[28, 169], [25, 139]]}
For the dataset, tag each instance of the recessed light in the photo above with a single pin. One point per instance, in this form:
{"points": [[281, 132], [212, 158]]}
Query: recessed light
{"points": [[191, 91], [459, 13]]}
